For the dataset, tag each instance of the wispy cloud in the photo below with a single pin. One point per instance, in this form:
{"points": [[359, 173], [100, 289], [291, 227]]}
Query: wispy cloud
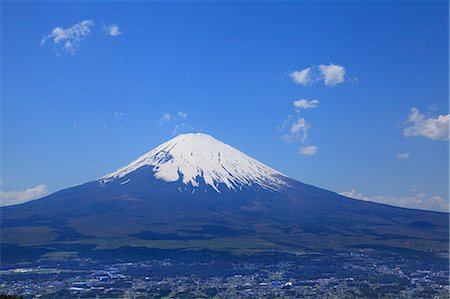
{"points": [[432, 128], [166, 117], [112, 29], [182, 127], [182, 114], [331, 74], [305, 104], [309, 150], [295, 128], [17, 197], [178, 120], [417, 200], [69, 39], [403, 156]]}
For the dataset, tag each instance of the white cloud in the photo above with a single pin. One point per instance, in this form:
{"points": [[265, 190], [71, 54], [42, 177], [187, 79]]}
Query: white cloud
{"points": [[118, 114], [69, 39], [166, 118], [182, 114], [305, 104], [429, 127], [17, 197], [178, 120], [354, 194], [298, 126], [296, 130], [332, 74], [417, 200], [309, 150], [182, 127], [112, 30], [403, 156], [302, 77]]}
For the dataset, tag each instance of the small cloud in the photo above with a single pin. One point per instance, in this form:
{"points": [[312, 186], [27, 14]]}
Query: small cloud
{"points": [[178, 120], [182, 114], [353, 194], [166, 117], [417, 200], [69, 39], [305, 104], [309, 150], [118, 114], [302, 77], [112, 30], [429, 127], [299, 126], [17, 197], [403, 156], [75, 125], [295, 129], [332, 74], [182, 127]]}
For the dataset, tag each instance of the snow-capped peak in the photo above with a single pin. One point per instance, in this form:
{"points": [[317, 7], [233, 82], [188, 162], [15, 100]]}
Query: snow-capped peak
{"points": [[193, 156]]}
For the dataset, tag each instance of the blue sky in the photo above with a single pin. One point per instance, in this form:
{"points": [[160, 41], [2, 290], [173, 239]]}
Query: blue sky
{"points": [[75, 107]]}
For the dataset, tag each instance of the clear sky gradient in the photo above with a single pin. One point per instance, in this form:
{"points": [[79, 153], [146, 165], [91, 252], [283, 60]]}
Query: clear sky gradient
{"points": [[71, 115]]}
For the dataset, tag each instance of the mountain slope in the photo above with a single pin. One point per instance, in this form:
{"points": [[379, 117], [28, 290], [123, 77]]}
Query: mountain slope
{"points": [[197, 192]]}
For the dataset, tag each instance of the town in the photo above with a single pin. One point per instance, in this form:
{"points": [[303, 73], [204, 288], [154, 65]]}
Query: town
{"points": [[352, 274]]}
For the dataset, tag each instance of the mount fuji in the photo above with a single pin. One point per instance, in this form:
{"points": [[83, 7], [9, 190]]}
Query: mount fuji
{"points": [[196, 192]]}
